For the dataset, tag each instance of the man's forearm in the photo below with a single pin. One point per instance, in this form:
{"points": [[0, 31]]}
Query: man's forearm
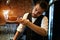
{"points": [[16, 35], [37, 29]]}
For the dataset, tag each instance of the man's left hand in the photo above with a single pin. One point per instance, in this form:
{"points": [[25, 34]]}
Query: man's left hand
{"points": [[23, 21]]}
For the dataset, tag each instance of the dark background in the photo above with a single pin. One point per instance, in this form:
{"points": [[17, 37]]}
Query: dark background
{"points": [[56, 21]]}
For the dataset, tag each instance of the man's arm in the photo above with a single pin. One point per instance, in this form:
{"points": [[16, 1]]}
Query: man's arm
{"points": [[43, 30], [16, 35], [20, 28], [19, 31], [39, 30]]}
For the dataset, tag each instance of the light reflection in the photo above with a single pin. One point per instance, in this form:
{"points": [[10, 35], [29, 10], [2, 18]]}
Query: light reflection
{"points": [[5, 13], [7, 2], [51, 12]]}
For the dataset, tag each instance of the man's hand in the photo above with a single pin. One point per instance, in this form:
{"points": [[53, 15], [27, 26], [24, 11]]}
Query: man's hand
{"points": [[23, 21]]}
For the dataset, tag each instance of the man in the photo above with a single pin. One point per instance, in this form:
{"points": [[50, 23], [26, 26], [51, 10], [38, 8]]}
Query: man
{"points": [[34, 25]]}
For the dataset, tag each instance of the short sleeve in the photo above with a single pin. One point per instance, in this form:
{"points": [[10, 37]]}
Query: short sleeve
{"points": [[21, 27], [44, 23]]}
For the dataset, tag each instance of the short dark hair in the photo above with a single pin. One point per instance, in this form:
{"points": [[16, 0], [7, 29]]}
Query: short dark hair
{"points": [[43, 4]]}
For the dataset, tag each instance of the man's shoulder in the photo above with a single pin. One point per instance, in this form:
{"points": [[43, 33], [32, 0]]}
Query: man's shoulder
{"points": [[26, 13], [45, 18]]}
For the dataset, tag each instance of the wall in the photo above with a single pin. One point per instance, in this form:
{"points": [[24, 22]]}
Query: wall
{"points": [[19, 7]]}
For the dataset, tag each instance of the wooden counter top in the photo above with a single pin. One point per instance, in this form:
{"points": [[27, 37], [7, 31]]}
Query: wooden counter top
{"points": [[8, 21]]}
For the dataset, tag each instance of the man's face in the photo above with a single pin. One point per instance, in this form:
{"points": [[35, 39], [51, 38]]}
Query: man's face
{"points": [[37, 11]]}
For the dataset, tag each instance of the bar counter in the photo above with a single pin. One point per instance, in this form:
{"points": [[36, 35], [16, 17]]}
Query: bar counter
{"points": [[13, 22]]}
